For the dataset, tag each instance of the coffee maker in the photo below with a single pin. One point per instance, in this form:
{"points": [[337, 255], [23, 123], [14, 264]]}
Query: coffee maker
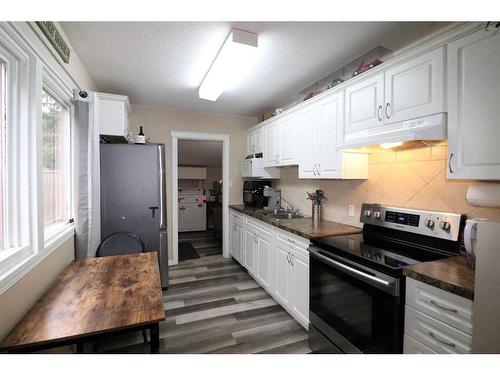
{"points": [[253, 193]]}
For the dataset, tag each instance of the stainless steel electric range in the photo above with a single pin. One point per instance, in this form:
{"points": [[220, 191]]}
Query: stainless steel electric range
{"points": [[357, 287]]}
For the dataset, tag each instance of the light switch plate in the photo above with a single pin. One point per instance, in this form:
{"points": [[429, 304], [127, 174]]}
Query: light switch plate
{"points": [[351, 210]]}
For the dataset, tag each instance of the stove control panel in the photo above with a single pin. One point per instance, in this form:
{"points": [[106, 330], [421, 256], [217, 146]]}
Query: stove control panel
{"points": [[444, 225]]}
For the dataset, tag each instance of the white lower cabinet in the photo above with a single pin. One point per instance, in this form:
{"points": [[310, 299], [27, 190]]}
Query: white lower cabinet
{"points": [[436, 321], [276, 259]]}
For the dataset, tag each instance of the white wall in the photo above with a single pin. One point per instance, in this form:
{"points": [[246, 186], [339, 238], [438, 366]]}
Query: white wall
{"points": [[19, 298], [158, 122]]}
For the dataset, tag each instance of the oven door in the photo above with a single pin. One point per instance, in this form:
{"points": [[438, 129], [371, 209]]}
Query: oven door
{"points": [[357, 308]]}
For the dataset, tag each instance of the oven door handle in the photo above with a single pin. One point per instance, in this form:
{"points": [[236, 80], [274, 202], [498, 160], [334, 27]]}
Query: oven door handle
{"points": [[372, 280]]}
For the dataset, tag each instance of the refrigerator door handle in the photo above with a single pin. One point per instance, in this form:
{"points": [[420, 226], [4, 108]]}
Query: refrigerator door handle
{"points": [[153, 210]]}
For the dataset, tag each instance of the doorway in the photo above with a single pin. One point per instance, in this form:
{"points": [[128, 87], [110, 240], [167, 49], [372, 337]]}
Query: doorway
{"points": [[200, 198]]}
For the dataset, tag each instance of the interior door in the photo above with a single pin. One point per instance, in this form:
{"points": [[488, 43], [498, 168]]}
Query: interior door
{"points": [[473, 107], [264, 249], [287, 140], [307, 120], [415, 89], [270, 153], [364, 104], [331, 125], [282, 271]]}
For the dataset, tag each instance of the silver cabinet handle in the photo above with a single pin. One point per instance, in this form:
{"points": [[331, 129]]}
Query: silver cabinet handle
{"points": [[450, 309], [291, 259], [431, 334], [449, 162], [314, 169], [387, 110], [319, 166], [379, 117], [288, 258]]}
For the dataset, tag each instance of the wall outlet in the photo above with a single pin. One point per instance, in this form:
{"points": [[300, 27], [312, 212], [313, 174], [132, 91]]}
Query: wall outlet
{"points": [[351, 210]]}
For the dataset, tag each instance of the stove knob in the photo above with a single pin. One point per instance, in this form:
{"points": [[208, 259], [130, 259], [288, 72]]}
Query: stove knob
{"points": [[368, 213], [444, 225], [429, 223], [376, 214]]}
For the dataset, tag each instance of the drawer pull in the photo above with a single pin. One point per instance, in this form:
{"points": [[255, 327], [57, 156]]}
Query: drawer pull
{"points": [[450, 309], [431, 334]]}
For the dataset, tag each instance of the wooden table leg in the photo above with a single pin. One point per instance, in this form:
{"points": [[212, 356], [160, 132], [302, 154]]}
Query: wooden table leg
{"points": [[154, 332]]}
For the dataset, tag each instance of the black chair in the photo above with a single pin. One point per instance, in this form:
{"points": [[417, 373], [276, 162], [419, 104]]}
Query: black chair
{"points": [[121, 243]]}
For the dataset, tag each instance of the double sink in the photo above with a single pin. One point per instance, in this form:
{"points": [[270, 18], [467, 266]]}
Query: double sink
{"points": [[281, 214]]}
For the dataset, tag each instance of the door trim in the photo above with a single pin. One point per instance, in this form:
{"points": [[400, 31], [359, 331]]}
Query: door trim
{"points": [[196, 136]]}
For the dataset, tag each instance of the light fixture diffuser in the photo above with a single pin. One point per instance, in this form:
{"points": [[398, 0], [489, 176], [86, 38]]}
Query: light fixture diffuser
{"points": [[234, 58]]}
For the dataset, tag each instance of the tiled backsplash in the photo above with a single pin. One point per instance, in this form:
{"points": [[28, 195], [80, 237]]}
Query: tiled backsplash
{"points": [[413, 178]]}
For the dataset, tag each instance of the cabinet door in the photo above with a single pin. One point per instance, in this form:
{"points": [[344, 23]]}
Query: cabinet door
{"points": [[474, 107], [240, 243], [307, 123], [113, 117], [233, 241], [250, 145], [192, 216], [415, 89], [364, 104], [270, 152], [258, 140], [331, 124], [300, 287], [264, 251], [282, 273], [250, 240], [287, 140]]}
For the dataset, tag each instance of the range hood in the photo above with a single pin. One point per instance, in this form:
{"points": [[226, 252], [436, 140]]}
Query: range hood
{"points": [[429, 128]]}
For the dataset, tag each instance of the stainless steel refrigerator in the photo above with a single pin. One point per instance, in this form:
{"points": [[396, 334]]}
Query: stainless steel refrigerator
{"points": [[133, 196]]}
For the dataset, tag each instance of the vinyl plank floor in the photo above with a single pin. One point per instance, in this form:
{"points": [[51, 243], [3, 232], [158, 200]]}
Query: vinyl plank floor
{"points": [[214, 306]]}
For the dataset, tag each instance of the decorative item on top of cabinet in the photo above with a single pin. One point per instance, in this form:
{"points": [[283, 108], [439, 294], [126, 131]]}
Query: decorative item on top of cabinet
{"points": [[113, 113], [473, 106]]}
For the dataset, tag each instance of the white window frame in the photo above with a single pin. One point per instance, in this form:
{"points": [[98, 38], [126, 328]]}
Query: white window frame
{"points": [[25, 243], [56, 88]]}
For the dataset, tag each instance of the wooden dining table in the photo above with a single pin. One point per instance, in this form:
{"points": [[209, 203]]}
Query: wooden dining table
{"points": [[93, 298]]}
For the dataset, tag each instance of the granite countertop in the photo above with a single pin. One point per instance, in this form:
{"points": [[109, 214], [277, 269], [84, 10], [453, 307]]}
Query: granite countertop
{"points": [[301, 227], [450, 274]]}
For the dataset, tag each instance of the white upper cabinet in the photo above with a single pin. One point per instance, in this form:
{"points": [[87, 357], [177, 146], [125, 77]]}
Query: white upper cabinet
{"points": [[364, 104], [415, 88], [287, 140], [321, 126], [270, 153], [280, 142], [330, 128], [113, 113], [307, 124], [254, 141], [474, 106]]}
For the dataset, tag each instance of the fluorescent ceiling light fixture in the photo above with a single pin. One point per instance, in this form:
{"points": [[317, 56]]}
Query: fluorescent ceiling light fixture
{"points": [[391, 144], [233, 60]]}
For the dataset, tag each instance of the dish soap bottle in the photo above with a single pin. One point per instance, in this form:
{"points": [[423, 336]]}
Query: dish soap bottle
{"points": [[140, 138]]}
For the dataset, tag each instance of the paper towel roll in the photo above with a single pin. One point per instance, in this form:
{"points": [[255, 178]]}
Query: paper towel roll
{"points": [[484, 195]]}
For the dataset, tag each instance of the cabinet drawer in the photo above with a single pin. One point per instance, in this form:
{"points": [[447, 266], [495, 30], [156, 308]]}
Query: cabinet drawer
{"points": [[412, 346], [434, 334], [236, 216], [444, 306]]}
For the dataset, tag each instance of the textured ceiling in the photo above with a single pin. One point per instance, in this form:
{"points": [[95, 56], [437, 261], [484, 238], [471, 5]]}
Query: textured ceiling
{"points": [[200, 153], [163, 63]]}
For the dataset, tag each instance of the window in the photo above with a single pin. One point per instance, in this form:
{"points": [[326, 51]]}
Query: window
{"points": [[56, 162], [2, 152]]}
